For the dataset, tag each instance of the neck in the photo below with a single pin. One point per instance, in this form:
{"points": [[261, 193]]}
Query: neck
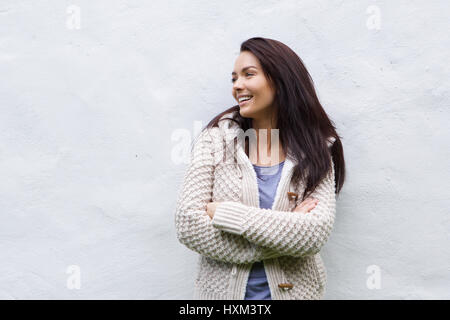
{"points": [[268, 123]]}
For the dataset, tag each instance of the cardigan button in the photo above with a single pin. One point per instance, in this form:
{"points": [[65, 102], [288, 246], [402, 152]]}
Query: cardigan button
{"points": [[239, 172], [234, 270], [292, 196], [285, 286]]}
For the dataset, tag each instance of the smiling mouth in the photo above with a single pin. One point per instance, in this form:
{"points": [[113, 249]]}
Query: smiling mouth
{"points": [[243, 103]]}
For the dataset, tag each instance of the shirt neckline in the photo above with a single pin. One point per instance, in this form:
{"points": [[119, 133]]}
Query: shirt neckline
{"points": [[269, 166]]}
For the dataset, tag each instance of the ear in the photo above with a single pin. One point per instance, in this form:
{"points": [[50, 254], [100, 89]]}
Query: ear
{"points": [[330, 141]]}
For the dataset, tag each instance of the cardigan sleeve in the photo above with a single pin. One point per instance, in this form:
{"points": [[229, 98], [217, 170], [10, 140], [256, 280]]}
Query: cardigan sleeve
{"points": [[193, 226], [283, 232]]}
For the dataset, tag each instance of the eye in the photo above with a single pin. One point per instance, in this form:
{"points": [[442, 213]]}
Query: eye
{"points": [[233, 80]]}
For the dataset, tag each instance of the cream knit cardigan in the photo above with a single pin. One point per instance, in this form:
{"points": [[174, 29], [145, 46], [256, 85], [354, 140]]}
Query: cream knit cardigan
{"points": [[241, 233]]}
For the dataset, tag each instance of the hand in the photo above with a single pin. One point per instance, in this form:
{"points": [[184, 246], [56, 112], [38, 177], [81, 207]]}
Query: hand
{"points": [[306, 206], [211, 209]]}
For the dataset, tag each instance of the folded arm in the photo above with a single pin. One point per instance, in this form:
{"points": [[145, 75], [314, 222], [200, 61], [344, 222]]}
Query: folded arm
{"points": [[194, 227], [281, 232]]}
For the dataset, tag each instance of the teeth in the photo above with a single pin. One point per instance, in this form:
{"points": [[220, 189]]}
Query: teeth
{"points": [[244, 98]]}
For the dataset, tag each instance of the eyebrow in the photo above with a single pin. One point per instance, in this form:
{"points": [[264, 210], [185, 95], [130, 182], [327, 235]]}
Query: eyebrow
{"points": [[243, 69]]}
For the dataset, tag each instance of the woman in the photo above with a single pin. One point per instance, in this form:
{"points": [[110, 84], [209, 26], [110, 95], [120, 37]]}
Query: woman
{"points": [[259, 222]]}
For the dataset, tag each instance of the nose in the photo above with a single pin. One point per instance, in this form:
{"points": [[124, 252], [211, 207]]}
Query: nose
{"points": [[237, 88], [237, 84]]}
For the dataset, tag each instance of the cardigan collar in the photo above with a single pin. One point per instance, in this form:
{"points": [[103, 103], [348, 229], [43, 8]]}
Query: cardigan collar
{"points": [[231, 130], [250, 195]]}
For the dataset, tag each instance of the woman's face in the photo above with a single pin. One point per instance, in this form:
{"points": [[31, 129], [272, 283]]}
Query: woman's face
{"points": [[252, 82]]}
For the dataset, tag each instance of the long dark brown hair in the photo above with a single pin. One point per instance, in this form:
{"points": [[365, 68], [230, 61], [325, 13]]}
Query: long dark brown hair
{"points": [[304, 126]]}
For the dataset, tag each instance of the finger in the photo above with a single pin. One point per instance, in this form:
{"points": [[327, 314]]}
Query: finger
{"points": [[306, 202], [312, 206], [314, 203]]}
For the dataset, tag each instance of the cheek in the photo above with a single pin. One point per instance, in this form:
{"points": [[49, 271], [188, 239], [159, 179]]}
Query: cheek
{"points": [[263, 93], [269, 97], [264, 99]]}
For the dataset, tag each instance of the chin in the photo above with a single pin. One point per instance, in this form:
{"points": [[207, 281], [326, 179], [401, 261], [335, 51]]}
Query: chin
{"points": [[245, 113]]}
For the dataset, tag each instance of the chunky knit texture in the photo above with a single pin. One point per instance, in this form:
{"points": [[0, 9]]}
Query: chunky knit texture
{"points": [[241, 233]]}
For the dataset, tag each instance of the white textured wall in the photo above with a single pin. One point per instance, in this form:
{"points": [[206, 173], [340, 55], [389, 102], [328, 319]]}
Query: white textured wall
{"points": [[89, 106]]}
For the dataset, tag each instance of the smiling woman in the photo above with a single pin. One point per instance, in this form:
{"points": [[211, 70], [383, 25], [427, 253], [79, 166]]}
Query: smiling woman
{"points": [[253, 91], [259, 227]]}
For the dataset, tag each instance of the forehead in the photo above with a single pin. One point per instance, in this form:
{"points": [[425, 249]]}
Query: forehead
{"points": [[245, 59]]}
